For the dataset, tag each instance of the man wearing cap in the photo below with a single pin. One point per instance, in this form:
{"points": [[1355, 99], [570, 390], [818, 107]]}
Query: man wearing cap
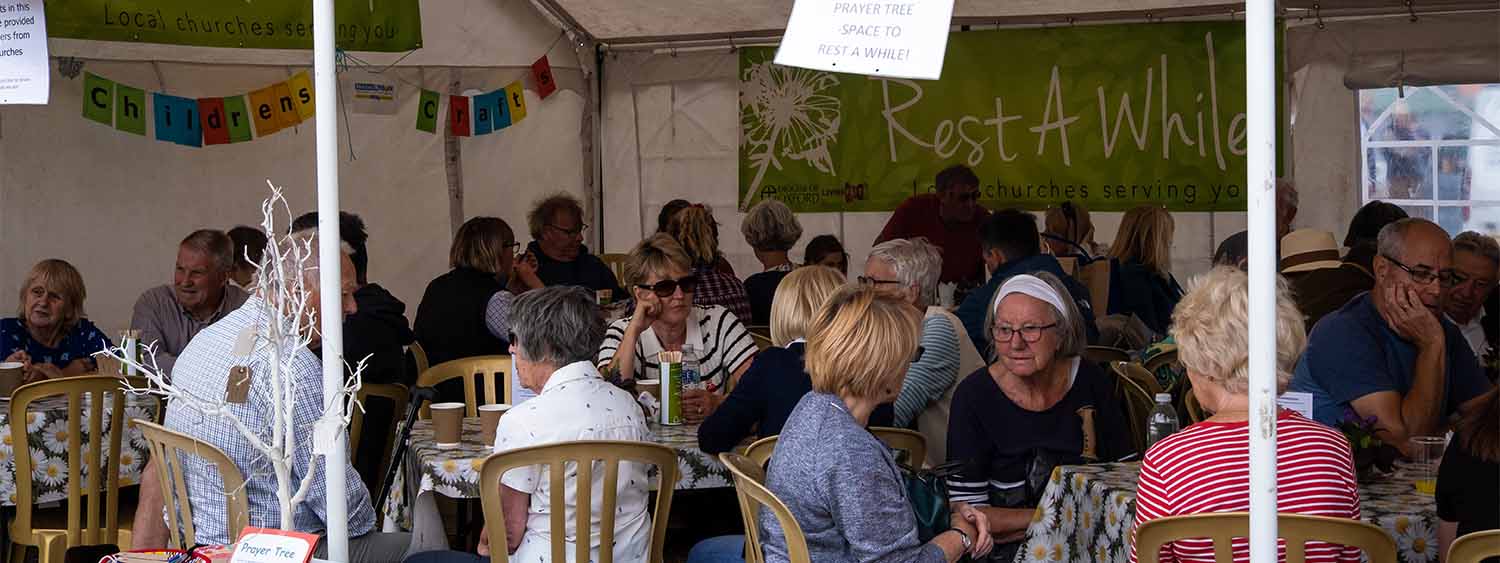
{"points": [[1320, 292]]}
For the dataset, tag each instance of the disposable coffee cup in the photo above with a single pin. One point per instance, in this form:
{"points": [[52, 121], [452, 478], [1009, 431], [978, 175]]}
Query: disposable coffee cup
{"points": [[447, 423], [652, 386], [10, 377], [489, 420]]}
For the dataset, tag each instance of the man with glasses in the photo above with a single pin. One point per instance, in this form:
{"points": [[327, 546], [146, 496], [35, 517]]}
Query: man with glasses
{"points": [[557, 229], [950, 218], [1390, 353], [1476, 264]]}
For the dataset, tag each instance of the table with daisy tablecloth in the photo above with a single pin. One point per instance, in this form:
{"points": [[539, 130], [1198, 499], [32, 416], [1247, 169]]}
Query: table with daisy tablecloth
{"points": [[454, 472], [46, 429], [1087, 511]]}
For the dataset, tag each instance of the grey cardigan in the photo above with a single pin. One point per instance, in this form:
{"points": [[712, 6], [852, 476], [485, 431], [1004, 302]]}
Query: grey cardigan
{"points": [[842, 485]]}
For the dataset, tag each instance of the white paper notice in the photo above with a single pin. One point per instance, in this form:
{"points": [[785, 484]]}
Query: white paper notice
{"points": [[1298, 402], [373, 94], [896, 38], [23, 52]]}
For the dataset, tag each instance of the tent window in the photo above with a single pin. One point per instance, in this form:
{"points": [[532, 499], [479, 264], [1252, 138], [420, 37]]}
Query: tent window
{"points": [[1435, 152]]}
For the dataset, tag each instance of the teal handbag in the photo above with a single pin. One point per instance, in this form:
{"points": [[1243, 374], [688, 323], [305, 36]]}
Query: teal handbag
{"points": [[927, 491]]}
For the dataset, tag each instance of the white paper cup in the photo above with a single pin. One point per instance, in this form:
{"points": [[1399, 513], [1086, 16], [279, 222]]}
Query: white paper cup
{"points": [[447, 423]]}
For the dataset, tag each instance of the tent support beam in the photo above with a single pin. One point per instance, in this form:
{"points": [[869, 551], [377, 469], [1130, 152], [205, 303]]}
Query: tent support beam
{"points": [[330, 254], [1260, 99]]}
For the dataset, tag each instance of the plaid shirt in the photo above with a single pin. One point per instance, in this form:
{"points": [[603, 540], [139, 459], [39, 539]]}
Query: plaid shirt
{"points": [[203, 370], [719, 288]]}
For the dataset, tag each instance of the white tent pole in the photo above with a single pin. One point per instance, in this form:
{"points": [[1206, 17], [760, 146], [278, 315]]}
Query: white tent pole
{"points": [[329, 274], [1260, 99]]}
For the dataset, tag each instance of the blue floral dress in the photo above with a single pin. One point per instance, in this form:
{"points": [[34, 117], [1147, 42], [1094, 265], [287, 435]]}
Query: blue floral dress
{"points": [[80, 342]]}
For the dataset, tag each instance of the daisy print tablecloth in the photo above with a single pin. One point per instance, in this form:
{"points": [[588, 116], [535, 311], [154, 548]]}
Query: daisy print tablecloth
{"points": [[1087, 511], [46, 432]]}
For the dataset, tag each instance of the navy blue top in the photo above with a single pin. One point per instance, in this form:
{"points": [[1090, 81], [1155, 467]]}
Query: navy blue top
{"points": [[975, 308], [761, 289], [79, 343], [586, 270], [1352, 353], [765, 396]]}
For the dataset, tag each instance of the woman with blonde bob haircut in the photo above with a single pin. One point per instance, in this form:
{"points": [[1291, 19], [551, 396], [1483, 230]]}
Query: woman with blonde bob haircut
{"points": [[1204, 468], [1141, 260], [839, 481], [48, 335]]}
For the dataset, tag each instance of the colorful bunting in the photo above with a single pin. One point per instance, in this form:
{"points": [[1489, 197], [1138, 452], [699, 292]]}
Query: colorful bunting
{"points": [[237, 119], [516, 96], [176, 119], [205, 121], [263, 111], [215, 129], [427, 111], [458, 115], [302, 92], [129, 116], [541, 73]]}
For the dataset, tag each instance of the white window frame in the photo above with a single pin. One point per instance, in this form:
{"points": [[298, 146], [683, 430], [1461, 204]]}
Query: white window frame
{"points": [[1432, 202]]}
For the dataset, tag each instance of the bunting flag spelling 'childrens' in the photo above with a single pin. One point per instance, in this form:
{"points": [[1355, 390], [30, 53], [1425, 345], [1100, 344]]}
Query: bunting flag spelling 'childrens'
{"points": [[203, 121]]}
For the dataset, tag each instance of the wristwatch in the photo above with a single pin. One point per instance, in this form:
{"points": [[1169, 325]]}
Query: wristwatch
{"points": [[964, 536]]}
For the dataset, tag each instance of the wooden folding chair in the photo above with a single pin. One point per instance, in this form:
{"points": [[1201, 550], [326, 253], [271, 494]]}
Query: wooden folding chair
{"points": [[749, 485], [553, 458], [91, 515], [487, 368], [166, 448], [1296, 529]]}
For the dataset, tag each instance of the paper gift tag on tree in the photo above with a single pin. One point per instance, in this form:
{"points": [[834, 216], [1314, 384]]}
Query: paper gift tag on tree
{"points": [[541, 72]]}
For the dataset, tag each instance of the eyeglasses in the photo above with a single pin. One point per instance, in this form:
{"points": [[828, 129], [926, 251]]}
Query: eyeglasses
{"points": [[1029, 333], [1423, 276], [511, 244], [867, 280], [571, 232], [666, 288], [1456, 279]]}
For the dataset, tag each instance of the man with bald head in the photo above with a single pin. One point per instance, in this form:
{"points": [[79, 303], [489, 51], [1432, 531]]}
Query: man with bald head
{"points": [[1390, 353]]}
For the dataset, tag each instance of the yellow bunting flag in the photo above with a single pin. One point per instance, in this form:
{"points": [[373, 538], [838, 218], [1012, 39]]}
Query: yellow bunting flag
{"points": [[286, 106], [302, 94], [263, 111], [515, 95]]}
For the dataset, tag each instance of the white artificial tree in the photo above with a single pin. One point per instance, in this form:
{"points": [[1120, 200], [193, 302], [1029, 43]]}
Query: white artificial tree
{"points": [[284, 280]]}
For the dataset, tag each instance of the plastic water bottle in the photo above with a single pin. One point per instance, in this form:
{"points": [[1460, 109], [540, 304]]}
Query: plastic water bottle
{"points": [[692, 378], [1162, 421]]}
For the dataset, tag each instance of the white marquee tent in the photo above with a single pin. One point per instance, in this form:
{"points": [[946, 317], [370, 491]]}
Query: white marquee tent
{"points": [[661, 123]]}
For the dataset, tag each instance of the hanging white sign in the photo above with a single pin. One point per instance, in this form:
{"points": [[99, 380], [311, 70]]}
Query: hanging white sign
{"points": [[895, 38], [23, 52]]}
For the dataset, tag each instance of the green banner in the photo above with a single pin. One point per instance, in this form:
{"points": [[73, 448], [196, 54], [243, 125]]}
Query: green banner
{"points": [[1106, 116], [386, 25]]}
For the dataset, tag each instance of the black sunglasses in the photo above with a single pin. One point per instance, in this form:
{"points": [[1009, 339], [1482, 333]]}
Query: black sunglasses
{"points": [[665, 288]]}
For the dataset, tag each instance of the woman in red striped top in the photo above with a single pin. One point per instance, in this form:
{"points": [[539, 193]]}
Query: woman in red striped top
{"points": [[1206, 466]]}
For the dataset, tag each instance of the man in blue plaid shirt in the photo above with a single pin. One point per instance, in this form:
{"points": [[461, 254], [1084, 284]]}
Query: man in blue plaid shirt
{"points": [[202, 370]]}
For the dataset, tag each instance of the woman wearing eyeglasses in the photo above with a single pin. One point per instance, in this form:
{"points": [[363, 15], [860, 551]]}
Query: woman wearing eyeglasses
{"points": [[663, 283], [1037, 406], [464, 312]]}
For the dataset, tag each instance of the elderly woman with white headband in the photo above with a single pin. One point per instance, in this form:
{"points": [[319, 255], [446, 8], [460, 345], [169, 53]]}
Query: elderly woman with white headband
{"points": [[1037, 406]]}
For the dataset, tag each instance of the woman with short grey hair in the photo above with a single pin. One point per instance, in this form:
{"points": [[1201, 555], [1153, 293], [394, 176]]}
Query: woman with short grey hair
{"points": [[909, 269], [1038, 382], [771, 229], [556, 332]]}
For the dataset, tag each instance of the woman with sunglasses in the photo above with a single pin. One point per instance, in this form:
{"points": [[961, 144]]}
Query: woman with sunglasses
{"points": [[662, 281], [1039, 405]]}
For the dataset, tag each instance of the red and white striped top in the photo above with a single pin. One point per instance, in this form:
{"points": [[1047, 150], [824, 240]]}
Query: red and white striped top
{"points": [[1206, 468]]}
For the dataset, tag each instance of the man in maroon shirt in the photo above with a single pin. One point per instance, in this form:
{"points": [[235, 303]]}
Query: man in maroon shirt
{"points": [[949, 219]]}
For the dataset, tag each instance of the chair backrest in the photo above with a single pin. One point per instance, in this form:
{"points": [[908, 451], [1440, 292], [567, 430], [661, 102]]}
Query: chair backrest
{"points": [[394, 393], [1168, 358], [1475, 547], [749, 485], [1297, 529], [762, 337], [1192, 407], [760, 450], [1095, 276], [1137, 390], [418, 356], [166, 447], [583, 454], [92, 506], [487, 368], [616, 264], [903, 440], [1105, 355]]}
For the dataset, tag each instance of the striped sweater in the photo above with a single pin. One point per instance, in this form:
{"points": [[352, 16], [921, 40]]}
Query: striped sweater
{"points": [[1206, 468]]}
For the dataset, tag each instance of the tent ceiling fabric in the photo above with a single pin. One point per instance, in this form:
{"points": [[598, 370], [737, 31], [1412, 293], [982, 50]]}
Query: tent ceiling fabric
{"points": [[641, 20]]}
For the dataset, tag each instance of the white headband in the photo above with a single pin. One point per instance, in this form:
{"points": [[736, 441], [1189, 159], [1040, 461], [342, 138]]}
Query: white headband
{"points": [[1032, 286]]}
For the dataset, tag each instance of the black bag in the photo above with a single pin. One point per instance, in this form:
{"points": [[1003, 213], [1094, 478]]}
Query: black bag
{"points": [[927, 491]]}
